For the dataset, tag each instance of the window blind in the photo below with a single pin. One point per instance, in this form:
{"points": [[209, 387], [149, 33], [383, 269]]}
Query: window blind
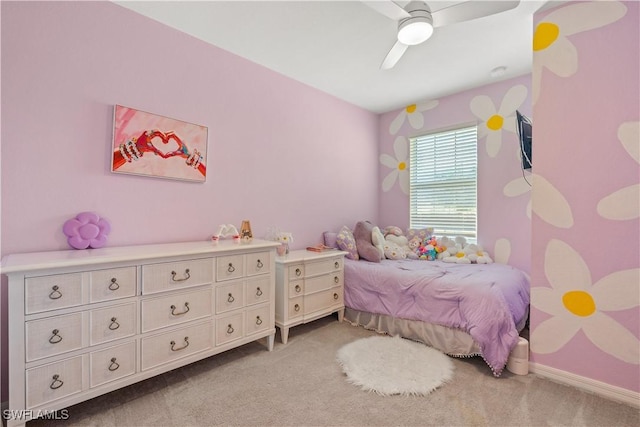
{"points": [[443, 176]]}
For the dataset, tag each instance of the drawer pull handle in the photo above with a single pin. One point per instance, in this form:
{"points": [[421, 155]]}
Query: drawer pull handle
{"points": [[230, 298], [114, 286], [114, 365], [231, 268], [336, 279], [258, 320], [298, 272], [296, 307], [56, 383], [230, 329], [336, 264], [258, 292], [186, 276], [114, 325], [186, 310], [298, 288], [336, 296], [55, 338], [186, 344], [55, 293], [260, 264]]}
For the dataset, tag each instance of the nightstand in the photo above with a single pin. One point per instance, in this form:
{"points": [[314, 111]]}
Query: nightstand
{"points": [[309, 285]]}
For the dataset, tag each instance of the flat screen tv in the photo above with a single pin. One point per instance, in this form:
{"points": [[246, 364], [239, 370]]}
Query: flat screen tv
{"points": [[524, 128]]}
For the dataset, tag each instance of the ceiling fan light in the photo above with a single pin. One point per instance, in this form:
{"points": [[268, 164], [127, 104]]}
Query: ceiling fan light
{"points": [[414, 30]]}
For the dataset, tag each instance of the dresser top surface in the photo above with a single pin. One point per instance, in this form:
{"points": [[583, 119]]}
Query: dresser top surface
{"points": [[16, 263]]}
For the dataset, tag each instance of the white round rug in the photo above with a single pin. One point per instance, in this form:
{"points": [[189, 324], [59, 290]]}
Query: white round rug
{"points": [[393, 365]]}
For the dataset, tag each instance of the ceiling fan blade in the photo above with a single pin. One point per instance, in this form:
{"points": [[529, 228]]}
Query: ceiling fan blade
{"points": [[393, 56], [388, 8], [470, 10]]}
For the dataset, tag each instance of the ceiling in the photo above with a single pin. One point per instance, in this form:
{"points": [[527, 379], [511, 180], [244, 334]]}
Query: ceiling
{"points": [[338, 46]]}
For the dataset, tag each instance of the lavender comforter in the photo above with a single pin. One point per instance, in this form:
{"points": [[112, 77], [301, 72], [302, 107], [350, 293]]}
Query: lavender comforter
{"points": [[485, 300]]}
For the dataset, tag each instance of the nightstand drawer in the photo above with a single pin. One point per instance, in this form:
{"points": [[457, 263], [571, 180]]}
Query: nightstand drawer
{"points": [[176, 275], [54, 381], [164, 348], [53, 335], [112, 363], [229, 297], [112, 284], [52, 292], [229, 328], [320, 301], [112, 323], [175, 309], [324, 266], [229, 267], [296, 271], [258, 263], [296, 288], [258, 290], [320, 283], [296, 307]]}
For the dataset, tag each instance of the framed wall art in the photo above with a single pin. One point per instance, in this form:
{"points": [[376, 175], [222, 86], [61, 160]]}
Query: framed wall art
{"points": [[157, 146]]}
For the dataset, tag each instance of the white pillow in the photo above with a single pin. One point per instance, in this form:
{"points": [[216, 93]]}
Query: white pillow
{"points": [[377, 238]]}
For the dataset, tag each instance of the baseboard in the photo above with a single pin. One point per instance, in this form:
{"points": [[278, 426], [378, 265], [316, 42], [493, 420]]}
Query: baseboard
{"points": [[608, 391]]}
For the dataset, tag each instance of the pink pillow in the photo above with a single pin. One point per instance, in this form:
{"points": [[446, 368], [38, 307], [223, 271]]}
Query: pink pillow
{"points": [[347, 243]]}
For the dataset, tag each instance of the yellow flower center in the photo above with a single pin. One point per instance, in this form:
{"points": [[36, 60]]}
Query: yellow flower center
{"points": [[460, 255], [411, 108], [402, 166], [495, 122], [544, 36], [580, 303]]}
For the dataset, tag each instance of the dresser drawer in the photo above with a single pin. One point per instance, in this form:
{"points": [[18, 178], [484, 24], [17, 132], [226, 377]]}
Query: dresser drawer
{"points": [[46, 293], [296, 307], [54, 381], [175, 309], [296, 288], [258, 263], [323, 301], [112, 284], [258, 290], [53, 335], [176, 275], [112, 363], [112, 323], [296, 271], [229, 297], [323, 266], [170, 346], [258, 319], [320, 283], [229, 267], [229, 328]]}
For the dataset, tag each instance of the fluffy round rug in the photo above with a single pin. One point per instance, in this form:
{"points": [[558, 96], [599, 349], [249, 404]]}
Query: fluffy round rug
{"points": [[393, 365]]}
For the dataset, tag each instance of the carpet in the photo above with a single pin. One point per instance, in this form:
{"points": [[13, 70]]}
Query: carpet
{"points": [[393, 365]]}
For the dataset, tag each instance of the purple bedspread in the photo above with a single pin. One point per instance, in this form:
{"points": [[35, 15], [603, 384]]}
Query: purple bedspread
{"points": [[485, 300]]}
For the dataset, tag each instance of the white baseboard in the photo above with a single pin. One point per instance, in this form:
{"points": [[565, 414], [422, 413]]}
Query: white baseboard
{"points": [[608, 391]]}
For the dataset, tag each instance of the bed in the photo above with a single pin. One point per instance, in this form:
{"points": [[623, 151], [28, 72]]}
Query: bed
{"points": [[463, 310]]}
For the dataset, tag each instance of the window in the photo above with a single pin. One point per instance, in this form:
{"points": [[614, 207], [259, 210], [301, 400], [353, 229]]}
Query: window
{"points": [[443, 171]]}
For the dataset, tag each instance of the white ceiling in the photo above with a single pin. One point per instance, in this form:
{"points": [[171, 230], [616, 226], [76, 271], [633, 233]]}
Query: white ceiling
{"points": [[337, 46]]}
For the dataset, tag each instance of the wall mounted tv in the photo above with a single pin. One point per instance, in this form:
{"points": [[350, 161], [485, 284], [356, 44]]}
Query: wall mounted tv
{"points": [[524, 128]]}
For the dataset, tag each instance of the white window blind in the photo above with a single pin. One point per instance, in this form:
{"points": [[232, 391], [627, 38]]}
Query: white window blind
{"points": [[443, 176]]}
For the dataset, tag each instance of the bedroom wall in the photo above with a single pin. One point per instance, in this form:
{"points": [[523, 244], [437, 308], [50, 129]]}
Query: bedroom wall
{"points": [[504, 214], [585, 318], [280, 153]]}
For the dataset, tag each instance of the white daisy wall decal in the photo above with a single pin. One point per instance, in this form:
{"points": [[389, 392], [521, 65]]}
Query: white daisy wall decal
{"points": [[502, 251], [413, 114], [576, 304], [399, 166], [494, 121], [624, 204], [518, 187], [551, 47], [549, 204]]}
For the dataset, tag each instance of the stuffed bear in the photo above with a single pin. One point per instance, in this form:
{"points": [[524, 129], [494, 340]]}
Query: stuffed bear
{"points": [[394, 235]]}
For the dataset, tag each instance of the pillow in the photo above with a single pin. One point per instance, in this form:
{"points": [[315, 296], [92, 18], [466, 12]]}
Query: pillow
{"points": [[392, 229], [377, 238], [347, 243], [393, 251], [362, 234], [330, 239], [421, 233]]}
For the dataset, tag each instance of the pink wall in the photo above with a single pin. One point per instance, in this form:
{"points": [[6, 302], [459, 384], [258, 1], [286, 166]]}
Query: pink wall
{"points": [[504, 222], [280, 153], [585, 318]]}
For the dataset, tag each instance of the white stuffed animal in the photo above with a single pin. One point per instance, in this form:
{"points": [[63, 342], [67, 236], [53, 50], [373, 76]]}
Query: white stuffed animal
{"points": [[401, 241]]}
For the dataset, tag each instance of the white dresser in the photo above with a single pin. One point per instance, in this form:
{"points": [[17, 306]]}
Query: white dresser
{"points": [[309, 285], [84, 323]]}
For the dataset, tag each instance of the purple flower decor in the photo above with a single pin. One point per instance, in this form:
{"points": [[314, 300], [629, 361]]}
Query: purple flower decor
{"points": [[86, 230]]}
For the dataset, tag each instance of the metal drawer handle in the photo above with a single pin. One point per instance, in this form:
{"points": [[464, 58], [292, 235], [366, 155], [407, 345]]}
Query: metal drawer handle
{"points": [[298, 272], [230, 298], [258, 320], [114, 325], [186, 276], [231, 268], [114, 365], [258, 292], [230, 329], [186, 310], [114, 286], [336, 279], [336, 264], [55, 338], [260, 264], [55, 293], [298, 288], [186, 344], [296, 307], [336, 296], [56, 383]]}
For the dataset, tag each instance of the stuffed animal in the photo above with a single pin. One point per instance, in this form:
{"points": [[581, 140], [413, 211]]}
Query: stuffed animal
{"points": [[393, 251], [477, 255], [400, 240], [414, 246]]}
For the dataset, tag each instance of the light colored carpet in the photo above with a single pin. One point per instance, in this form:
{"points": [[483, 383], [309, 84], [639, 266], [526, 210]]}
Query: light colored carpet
{"points": [[300, 384], [393, 365]]}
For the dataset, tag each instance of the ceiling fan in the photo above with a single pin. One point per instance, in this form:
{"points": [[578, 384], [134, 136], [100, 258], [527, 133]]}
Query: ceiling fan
{"points": [[416, 21]]}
